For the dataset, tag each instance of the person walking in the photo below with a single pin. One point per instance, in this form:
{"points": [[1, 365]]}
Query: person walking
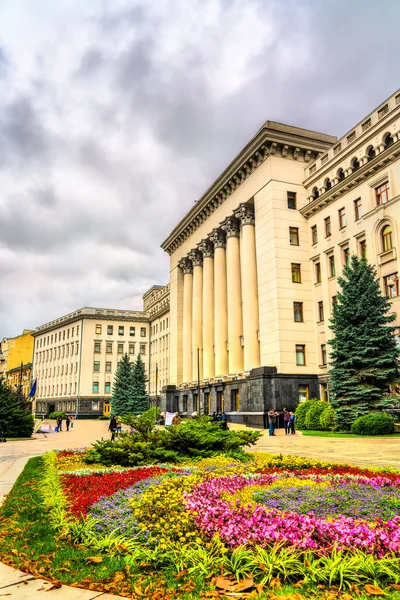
{"points": [[286, 421], [272, 414], [2, 436], [292, 422], [67, 422], [59, 423], [113, 427], [214, 416], [224, 421], [119, 426]]}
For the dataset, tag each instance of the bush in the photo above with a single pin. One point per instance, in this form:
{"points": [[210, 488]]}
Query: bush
{"points": [[301, 413], [15, 419], [313, 415], [198, 438], [327, 418], [55, 415], [378, 423]]}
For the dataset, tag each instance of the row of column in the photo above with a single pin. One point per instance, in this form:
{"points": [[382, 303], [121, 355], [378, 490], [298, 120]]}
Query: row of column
{"points": [[220, 300]]}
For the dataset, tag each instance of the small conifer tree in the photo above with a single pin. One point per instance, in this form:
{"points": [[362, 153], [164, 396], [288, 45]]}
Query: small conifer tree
{"points": [[122, 391], [363, 360], [139, 402], [15, 419]]}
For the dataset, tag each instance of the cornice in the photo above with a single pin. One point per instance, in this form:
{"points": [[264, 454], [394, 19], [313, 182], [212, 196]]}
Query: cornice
{"points": [[272, 139], [367, 170]]}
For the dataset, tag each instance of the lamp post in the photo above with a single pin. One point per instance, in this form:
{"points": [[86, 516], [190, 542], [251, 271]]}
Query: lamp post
{"points": [[198, 379]]}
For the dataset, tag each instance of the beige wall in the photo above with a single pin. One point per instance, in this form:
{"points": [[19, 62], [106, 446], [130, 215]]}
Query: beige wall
{"points": [[159, 353]]}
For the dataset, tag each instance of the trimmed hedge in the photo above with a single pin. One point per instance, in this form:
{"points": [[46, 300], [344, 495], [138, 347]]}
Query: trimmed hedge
{"points": [[327, 418], [55, 415], [312, 420], [374, 424]]}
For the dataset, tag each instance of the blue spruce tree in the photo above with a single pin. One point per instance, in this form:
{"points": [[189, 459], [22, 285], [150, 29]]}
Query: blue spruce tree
{"points": [[139, 402], [122, 391]]}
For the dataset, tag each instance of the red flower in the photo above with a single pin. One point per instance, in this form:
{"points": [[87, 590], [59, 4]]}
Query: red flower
{"points": [[84, 490]]}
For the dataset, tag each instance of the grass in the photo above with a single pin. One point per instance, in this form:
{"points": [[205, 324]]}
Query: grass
{"points": [[29, 543], [332, 434]]}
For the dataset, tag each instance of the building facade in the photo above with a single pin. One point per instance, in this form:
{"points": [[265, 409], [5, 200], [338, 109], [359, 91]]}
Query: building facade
{"points": [[19, 362], [254, 264], [156, 306], [76, 357]]}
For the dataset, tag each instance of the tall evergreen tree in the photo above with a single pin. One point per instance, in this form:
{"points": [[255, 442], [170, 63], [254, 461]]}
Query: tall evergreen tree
{"points": [[122, 391], [364, 353], [15, 419], [139, 380]]}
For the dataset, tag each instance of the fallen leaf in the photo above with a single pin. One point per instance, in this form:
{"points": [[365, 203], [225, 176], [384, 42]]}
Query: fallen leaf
{"points": [[244, 584], [395, 586], [374, 590], [94, 559], [55, 586]]}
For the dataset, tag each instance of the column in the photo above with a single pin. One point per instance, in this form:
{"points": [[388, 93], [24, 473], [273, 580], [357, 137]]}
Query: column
{"points": [[234, 294], [187, 269], [207, 249], [218, 238], [197, 314], [245, 214]]}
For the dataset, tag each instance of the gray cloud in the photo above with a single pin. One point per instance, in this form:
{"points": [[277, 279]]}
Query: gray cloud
{"points": [[116, 116]]}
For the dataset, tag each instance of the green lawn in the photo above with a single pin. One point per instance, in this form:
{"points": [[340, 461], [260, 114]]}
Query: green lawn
{"points": [[332, 434]]}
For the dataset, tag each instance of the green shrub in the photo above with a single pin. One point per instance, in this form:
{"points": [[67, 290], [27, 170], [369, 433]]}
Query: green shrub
{"points": [[198, 438], [313, 415], [327, 418], [55, 415], [378, 423], [301, 413], [15, 419]]}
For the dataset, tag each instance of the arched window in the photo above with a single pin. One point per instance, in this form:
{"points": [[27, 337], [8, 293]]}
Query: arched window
{"points": [[355, 164], [315, 193], [340, 174], [371, 153], [327, 184], [388, 140], [387, 243]]}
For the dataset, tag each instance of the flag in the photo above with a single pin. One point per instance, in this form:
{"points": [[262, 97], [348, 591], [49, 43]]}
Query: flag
{"points": [[33, 389]]}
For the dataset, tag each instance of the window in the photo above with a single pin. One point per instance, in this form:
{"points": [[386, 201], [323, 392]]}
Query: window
{"points": [[72, 332], [195, 402], [357, 209], [185, 404], [98, 328], [95, 386], [300, 355], [107, 387], [320, 311], [131, 331], [142, 349], [387, 243], [314, 235], [235, 401], [294, 236], [131, 348], [324, 392], [143, 332], [298, 312], [97, 347], [391, 284], [382, 193], [95, 404], [220, 402], [328, 230], [323, 354], [332, 269], [121, 330], [346, 257], [363, 249], [77, 330], [303, 393], [120, 348], [318, 272], [342, 218], [110, 329], [77, 348], [96, 366], [291, 200], [108, 367], [109, 347], [296, 273]]}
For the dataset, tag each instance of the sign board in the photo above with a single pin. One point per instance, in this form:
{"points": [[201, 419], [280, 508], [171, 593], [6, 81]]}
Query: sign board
{"points": [[168, 418]]}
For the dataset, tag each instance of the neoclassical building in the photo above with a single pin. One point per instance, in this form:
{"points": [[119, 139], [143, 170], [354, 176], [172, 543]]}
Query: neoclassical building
{"points": [[254, 264]]}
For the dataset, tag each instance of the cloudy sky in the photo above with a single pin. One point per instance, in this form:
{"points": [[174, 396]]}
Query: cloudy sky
{"points": [[115, 115]]}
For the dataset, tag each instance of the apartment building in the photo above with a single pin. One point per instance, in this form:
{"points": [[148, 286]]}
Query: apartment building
{"points": [[76, 357], [156, 305]]}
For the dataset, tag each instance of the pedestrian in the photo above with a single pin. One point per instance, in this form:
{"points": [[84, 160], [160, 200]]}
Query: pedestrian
{"points": [[224, 421], [113, 427], [219, 416], [214, 416], [2, 436], [119, 426], [292, 422], [59, 423], [272, 414], [176, 419], [67, 422], [286, 421]]}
